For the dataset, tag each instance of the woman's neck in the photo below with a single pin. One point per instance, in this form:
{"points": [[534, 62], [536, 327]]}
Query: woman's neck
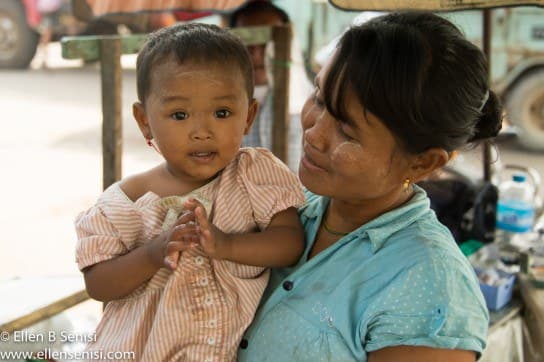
{"points": [[346, 216]]}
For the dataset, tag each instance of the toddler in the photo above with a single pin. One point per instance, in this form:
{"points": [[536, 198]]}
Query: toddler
{"points": [[180, 252]]}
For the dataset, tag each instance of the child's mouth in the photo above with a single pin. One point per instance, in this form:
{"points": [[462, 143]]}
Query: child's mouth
{"points": [[203, 157]]}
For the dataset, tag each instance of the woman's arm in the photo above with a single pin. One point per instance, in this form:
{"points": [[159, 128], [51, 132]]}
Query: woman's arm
{"points": [[420, 354], [279, 245]]}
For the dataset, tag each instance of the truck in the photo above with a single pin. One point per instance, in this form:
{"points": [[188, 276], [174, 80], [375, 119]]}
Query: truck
{"points": [[20, 24], [516, 59]]}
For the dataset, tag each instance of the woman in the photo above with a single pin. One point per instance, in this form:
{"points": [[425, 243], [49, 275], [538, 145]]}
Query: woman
{"points": [[381, 279]]}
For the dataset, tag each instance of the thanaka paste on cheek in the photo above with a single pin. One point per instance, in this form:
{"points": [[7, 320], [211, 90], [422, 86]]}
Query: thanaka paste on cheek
{"points": [[345, 153]]}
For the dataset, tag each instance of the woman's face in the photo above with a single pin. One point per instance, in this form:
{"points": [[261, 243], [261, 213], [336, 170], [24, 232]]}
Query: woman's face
{"points": [[357, 161]]}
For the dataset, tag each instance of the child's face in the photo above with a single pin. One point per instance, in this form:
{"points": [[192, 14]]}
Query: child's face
{"points": [[197, 115]]}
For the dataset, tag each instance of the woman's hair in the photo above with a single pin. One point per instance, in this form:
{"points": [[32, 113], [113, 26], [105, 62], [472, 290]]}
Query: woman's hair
{"points": [[420, 76], [200, 43]]}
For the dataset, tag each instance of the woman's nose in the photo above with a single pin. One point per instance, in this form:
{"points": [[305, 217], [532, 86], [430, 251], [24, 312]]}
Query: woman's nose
{"points": [[317, 126]]}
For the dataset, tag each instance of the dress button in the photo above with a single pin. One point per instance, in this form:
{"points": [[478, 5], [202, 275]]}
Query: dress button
{"points": [[243, 343], [208, 359], [208, 301], [212, 323], [288, 285], [211, 341], [199, 260], [203, 282]]}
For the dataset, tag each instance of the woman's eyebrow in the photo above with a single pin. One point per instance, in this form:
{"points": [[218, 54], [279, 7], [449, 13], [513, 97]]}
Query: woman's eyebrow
{"points": [[316, 82]]}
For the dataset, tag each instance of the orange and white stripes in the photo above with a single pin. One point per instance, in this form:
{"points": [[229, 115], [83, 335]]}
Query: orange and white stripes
{"points": [[199, 311]]}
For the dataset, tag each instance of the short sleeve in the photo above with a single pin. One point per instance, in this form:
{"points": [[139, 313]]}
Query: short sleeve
{"points": [[270, 185], [107, 230], [434, 303]]}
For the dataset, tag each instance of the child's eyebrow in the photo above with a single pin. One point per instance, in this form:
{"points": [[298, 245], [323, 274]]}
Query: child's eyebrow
{"points": [[173, 99], [231, 97]]}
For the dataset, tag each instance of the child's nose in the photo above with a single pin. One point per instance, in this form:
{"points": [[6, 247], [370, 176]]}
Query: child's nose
{"points": [[201, 130]]}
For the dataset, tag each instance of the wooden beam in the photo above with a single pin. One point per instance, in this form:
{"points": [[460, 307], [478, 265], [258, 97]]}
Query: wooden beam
{"points": [[88, 47], [282, 36], [112, 126], [48, 311]]}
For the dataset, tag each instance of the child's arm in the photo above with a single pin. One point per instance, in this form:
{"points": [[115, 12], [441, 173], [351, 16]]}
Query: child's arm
{"points": [[279, 245], [118, 277]]}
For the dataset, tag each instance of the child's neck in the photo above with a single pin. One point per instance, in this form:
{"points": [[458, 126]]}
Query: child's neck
{"points": [[168, 183]]}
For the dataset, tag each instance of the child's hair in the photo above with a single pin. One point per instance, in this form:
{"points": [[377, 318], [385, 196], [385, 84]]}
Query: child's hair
{"points": [[192, 42], [419, 75]]}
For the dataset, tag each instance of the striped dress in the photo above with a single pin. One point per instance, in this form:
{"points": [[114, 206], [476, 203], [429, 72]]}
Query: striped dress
{"points": [[199, 311]]}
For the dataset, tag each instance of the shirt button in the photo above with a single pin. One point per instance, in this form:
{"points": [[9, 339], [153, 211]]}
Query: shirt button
{"points": [[212, 323], [203, 281], [211, 341], [199, 260], [208, 301], [288, 285], [243, 343]]}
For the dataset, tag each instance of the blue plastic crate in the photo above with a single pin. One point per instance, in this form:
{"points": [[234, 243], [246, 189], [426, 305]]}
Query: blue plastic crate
{"points": [[497, 297]]}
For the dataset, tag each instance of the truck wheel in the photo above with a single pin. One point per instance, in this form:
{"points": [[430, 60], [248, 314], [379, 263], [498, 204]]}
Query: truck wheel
{"points": [[18, 41], [525, 109]]}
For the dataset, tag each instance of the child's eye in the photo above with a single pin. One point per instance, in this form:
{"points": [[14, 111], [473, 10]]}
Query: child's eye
{"points": [[179, 116], [222, 113]]}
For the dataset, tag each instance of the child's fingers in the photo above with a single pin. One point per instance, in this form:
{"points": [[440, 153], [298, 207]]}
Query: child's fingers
{"points": [[179, 231], [185, 218], [171, 260], [193, 204], [201, 218], [174, 248]]}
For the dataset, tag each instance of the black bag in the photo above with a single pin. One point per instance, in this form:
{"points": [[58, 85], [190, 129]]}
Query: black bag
{"points": [[466, 208]]}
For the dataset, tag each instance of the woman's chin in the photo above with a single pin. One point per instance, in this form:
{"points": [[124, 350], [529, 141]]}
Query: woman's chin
{"points": [[311, 181]]}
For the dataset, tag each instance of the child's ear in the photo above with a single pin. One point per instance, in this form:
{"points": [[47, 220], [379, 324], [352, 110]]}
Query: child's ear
{"points": [[251, 114], [427, 162], [138, 111]]}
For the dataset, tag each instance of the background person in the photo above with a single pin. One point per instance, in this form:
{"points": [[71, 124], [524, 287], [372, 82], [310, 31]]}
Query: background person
{"points": [[263, 13], [381, 279]]}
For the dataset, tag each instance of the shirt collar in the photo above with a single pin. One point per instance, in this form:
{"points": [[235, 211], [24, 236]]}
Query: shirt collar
{"points": [[380, 229]]}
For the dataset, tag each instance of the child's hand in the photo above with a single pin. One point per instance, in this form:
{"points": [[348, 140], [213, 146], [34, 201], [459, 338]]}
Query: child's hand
{"points": [[166, 248], [213, 241]]}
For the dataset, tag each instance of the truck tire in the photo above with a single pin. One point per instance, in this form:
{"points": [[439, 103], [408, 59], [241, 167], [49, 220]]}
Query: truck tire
{"points": [[525, 109], [18, 41]]}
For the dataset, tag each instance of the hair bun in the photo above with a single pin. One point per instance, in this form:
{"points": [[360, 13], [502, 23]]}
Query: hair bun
{"points": [[490, 122]]}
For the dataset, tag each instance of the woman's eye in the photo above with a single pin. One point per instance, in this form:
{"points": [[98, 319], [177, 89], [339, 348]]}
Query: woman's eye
{"points": [[344, 131], [222, 113], [179, 116], [318, 102]]}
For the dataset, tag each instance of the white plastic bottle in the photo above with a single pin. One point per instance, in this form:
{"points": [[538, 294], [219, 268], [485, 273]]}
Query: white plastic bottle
{"points": [[515, 208]]}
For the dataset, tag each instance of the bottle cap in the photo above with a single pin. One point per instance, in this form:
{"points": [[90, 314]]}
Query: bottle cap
{"points": [[518, 178]]}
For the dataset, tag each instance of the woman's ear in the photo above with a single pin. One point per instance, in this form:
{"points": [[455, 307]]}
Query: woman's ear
{"points": [[251, 114], [140, 116], [427, 162]]}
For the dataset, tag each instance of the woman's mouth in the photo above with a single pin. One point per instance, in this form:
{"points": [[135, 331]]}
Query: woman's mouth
{"points": [[310, 165]]}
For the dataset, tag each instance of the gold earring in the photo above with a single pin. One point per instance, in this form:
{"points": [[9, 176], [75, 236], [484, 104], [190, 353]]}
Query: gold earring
{"points": [[406, 184]]}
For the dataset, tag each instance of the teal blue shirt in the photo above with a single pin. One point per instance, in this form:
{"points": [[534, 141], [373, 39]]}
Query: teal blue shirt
{"points": [[397, 280]]}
